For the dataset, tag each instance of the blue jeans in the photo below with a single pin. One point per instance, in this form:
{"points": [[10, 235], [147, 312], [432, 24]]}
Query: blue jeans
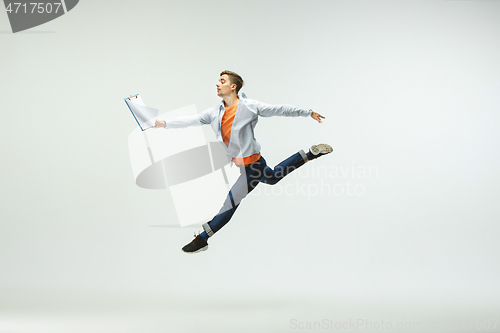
{"points": [[250, 176]]}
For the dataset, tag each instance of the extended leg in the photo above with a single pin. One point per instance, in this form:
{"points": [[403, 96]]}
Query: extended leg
{"points": [[249, 178], [246, 182], [295, 161]]}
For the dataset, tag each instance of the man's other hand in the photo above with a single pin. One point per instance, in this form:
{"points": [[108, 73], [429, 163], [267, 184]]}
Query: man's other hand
{"points": [[316, 116], [160, 124]]}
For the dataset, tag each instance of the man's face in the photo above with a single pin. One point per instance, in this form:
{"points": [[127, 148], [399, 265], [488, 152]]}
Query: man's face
{"points": [[224, 86]]}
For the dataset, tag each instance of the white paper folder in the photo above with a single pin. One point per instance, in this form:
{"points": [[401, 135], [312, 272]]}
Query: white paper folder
{"points": [[145, 116]]}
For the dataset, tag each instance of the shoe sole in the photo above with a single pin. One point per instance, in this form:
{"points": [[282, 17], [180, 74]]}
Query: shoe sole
{"points": [[322, 148], [200, 250]]}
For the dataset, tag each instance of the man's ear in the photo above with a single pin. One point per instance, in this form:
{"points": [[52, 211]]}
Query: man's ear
{"points": [[233, 86]]}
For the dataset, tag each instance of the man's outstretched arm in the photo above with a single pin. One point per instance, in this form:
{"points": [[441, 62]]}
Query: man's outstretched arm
{"points": [[267, 110], [203, 118]]}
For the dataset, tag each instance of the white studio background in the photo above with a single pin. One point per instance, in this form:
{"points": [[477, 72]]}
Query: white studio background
{"points": [[411, 95]]}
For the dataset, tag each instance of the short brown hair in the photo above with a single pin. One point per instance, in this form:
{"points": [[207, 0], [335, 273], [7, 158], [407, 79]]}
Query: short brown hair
{"points": [[234, 79]]}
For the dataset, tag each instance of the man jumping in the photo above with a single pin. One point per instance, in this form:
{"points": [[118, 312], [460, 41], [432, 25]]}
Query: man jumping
{"points": [[233, 121]]}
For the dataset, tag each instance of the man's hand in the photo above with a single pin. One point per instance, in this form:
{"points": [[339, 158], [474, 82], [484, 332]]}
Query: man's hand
{"points": [[316, 116], [160, 124]]}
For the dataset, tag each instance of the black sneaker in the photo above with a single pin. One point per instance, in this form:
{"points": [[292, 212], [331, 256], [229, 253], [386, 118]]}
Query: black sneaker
{"points": [[319, 150], [198, 244]]}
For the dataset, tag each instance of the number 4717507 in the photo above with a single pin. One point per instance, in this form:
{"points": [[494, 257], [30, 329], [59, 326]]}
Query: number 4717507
{"points": [[39, 7]]}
